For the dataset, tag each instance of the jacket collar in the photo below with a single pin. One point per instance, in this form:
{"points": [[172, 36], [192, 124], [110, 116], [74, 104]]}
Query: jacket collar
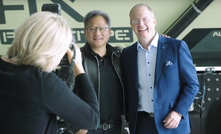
{"points": [[112, 50], [161, 54]]}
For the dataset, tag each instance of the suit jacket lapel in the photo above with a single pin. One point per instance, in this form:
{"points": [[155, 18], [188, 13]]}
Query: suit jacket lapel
{"points": [[134, 63], [161, 53]]}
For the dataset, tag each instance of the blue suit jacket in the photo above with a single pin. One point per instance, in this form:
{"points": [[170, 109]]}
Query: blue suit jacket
{"points": [[176, 83]]}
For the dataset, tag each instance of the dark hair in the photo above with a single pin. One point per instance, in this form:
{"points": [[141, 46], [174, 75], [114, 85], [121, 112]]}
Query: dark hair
{"points": [[95, 13]]}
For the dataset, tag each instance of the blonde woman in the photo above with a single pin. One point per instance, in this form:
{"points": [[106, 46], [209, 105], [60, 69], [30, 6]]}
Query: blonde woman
{"points": [[32, 96]]}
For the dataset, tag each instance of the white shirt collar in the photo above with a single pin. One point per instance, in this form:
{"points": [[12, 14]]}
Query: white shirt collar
{"points": [[153, 43]]}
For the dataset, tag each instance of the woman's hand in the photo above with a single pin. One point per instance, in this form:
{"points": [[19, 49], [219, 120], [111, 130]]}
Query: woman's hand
{"points": [[165, 35], [82, 131], [78, 67]]}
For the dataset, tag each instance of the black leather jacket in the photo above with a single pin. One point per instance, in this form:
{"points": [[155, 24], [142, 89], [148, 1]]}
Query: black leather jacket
{"points": [[91, 66]]}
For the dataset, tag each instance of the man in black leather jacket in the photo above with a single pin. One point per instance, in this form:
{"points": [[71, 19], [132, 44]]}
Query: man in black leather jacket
{"points": [[102, 64]]}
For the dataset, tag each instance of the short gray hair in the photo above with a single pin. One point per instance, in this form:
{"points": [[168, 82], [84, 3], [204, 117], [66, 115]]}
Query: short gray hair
{"points": [[139, 5]]}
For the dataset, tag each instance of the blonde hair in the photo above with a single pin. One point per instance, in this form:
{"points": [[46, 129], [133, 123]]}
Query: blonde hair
{"points": [[41, 41]]}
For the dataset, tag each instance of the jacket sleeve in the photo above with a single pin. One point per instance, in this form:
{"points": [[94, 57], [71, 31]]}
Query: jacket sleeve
{"points": [[81, 112], [189, 80]]}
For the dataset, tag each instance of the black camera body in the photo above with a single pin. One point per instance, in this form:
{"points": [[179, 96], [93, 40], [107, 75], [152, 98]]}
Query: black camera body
{"points": [[64, 69], [64, 60], [56, 8]]}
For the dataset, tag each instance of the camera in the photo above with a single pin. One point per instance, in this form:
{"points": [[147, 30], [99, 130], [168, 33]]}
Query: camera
{"points": [[56, 8]]}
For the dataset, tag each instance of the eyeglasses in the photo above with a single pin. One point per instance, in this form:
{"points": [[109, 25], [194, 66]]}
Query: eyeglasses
{"points": [[144, 20], [94, 29]]}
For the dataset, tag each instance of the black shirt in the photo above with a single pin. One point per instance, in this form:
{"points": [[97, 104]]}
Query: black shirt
{"points": [[109, 91]]}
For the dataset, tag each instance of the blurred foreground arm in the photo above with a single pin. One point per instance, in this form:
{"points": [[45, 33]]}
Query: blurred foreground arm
{"points": [[81, 111]]}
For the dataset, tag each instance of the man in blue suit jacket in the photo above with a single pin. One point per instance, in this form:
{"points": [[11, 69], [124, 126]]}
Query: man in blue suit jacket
{"points": [[160, 79]]}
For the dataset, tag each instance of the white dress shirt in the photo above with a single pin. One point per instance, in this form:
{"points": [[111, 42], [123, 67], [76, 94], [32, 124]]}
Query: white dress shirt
{"points": [[146, 74]]}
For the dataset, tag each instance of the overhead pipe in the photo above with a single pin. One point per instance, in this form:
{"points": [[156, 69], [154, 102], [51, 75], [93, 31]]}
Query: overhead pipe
{"points": [[187, 17]]}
